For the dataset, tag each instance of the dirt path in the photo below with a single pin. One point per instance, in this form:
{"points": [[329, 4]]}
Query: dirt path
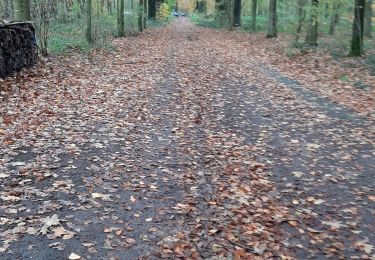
{"points": [[180, 144]]}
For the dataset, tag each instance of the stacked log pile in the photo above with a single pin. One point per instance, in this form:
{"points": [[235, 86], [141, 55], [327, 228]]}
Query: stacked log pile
{"points": [[17, 47]]}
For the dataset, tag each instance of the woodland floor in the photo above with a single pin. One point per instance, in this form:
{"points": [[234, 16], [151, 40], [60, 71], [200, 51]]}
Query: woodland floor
{"points": [[185, 142]]}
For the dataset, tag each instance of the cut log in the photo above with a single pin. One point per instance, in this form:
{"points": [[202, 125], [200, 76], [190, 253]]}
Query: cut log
{"points": [[17, 47]]}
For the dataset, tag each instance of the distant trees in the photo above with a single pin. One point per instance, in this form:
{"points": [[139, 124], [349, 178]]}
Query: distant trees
{"points": [[334, 19]]}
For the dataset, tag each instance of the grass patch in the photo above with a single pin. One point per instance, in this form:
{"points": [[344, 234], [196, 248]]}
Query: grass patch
{"points": [[67, 36], [70, 35], [206, 21]]}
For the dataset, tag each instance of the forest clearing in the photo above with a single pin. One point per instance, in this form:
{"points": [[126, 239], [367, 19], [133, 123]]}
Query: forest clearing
{"points": [[188, 140]]}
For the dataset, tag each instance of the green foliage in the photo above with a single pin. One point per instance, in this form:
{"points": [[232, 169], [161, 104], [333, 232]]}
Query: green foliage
{"points": [[163, 12], [68, 36], [262, 22], [207, 21]]}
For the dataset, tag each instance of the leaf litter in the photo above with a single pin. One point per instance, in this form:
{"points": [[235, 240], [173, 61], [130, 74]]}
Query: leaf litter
{"points": [[189, 153]]}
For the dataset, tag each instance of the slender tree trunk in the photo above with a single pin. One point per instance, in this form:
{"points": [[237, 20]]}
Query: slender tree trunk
{"points": [[254, 9], [334, 19], [368, 17], [358, 24], [140, 15], [272, 20], [236, 12], [120, 18], [89, 21], [312, 33], [145, 13], [301, 17], [230, 14]]}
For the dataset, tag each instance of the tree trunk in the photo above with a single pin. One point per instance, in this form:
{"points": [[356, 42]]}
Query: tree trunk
{"points": [[358, 24], [334, 19], [120, 18], [230, 13], [312, 33], [145, 4], [140, 15], [301, 17], [88, 21], [272, 20], [152, 9], [236, 12], [368, 17], [254, 7]]}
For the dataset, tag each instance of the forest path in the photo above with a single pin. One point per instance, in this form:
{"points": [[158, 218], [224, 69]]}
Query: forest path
{"points": [[181, 144]]}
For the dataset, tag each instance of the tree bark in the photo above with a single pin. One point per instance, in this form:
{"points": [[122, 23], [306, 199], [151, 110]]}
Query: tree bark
{"points": [[236, 13], [88, 21], [140, 15], [120, 18], [358, 24], [368, 17], [272, 20], [152, 9], [230, 14], [254, 8], [312, 33], [145, 4]]}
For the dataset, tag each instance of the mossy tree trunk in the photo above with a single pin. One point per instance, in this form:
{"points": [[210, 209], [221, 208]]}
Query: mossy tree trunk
{"points": [[272, 19], [140, 15], [89, 21], [368, 17], [254, 9], [230, 14], [301, 17], [120, 18], [312, 31], [145, 4], [358, 24]]}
